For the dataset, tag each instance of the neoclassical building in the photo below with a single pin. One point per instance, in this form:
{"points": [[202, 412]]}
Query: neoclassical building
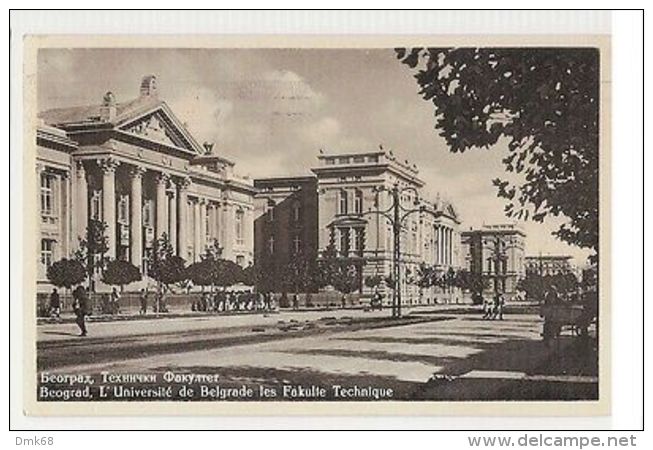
{"points": [[496, 252], [333, 208], [135, 166]]}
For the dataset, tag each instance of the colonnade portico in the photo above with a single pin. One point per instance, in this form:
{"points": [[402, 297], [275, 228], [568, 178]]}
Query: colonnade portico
{"points": [[444, 237], [189, 230]]}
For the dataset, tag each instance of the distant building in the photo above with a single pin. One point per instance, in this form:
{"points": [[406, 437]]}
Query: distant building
{"points": [[134, 166], [496, 252], [550, 265]]}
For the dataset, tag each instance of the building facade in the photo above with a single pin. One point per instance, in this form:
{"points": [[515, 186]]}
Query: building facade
{"points": [[550, 265], [496, 253], [285, 224], [354, 189], [134, 166]]}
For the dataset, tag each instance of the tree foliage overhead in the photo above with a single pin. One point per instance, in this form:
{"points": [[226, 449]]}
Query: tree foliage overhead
{"points": [[66, 273], [545, 101]]}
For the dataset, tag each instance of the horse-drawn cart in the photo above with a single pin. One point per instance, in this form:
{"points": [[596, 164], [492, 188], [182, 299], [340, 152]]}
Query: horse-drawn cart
{"points": [[577, 317]]}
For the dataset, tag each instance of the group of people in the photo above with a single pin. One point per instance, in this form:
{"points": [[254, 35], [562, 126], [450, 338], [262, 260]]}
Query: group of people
{"points": [[144, 299], [233, 301], [493, 308]]}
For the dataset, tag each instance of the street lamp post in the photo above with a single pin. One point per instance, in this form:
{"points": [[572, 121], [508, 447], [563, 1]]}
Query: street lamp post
{"points": [[396, 215], [498, 257]]}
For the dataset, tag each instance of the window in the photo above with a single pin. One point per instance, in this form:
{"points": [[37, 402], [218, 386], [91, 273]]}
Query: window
{"points": [[297, 211], [373, 159], [47, 198], [47, 249], [147, 213], [240, 260], [271, 244], [240, 234], [329, 161], [343, 202], [359, 159], [96, 205], [358, 202], [344, 241], [343, 160], [357, 243], [123, 209], [270, 210], [297, 244]]}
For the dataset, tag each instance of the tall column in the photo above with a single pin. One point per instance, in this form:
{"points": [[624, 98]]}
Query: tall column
{"points": [[249, 230], [450, 246], [65, 214], [136, 219], [182, 249], [218, 228], [172, 217], [108, 167], [440, 243], [228, 224], [211, 214], [202, 203], [196, 230], [161, 204], [445, 248], [81, 207]]}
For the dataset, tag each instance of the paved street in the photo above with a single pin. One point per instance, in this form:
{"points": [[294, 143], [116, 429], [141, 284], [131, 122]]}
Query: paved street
{"points": [[443, 355]]}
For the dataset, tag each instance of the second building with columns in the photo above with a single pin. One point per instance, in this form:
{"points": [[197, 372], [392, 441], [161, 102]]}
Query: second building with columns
{"points": [[135, 166]]}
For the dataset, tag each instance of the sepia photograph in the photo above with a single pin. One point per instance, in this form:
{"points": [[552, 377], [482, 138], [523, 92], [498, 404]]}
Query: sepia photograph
{"points": [[280, 224]]}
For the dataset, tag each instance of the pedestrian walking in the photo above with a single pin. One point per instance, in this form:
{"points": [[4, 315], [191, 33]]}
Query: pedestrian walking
{"points": [[500, 304], [115, 301], [295, 301], [143, 299], [487, 309], [55, 304], [80, 307], [494, 307], [343, 301]]}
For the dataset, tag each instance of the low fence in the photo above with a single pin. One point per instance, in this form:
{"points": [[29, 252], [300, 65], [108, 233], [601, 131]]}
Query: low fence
{"points": [[130, 303]]}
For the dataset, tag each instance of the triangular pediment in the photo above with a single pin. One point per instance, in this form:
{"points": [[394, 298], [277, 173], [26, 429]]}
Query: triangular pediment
{"points": [[161, 126]]}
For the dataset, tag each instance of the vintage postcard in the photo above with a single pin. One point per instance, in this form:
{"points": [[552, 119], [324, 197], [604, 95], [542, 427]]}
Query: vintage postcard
{"points": [[317, 225]]}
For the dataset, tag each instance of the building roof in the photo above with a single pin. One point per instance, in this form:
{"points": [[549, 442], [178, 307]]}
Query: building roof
{"points": [[93, 113]]}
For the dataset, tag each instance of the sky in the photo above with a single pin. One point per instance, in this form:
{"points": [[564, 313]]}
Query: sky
{"points": [[272, 110]]}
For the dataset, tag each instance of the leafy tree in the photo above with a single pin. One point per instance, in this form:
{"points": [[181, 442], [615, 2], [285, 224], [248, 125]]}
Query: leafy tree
{"points": [[66, 273], [344, 274], [535, 285], [373, 281], [202, 273], [472, 282], [164, 266], [120, 273], [426, 276], [545, 101], [227, 273], [264, 276], [92, 248], [298, 274], [250, 276]]}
